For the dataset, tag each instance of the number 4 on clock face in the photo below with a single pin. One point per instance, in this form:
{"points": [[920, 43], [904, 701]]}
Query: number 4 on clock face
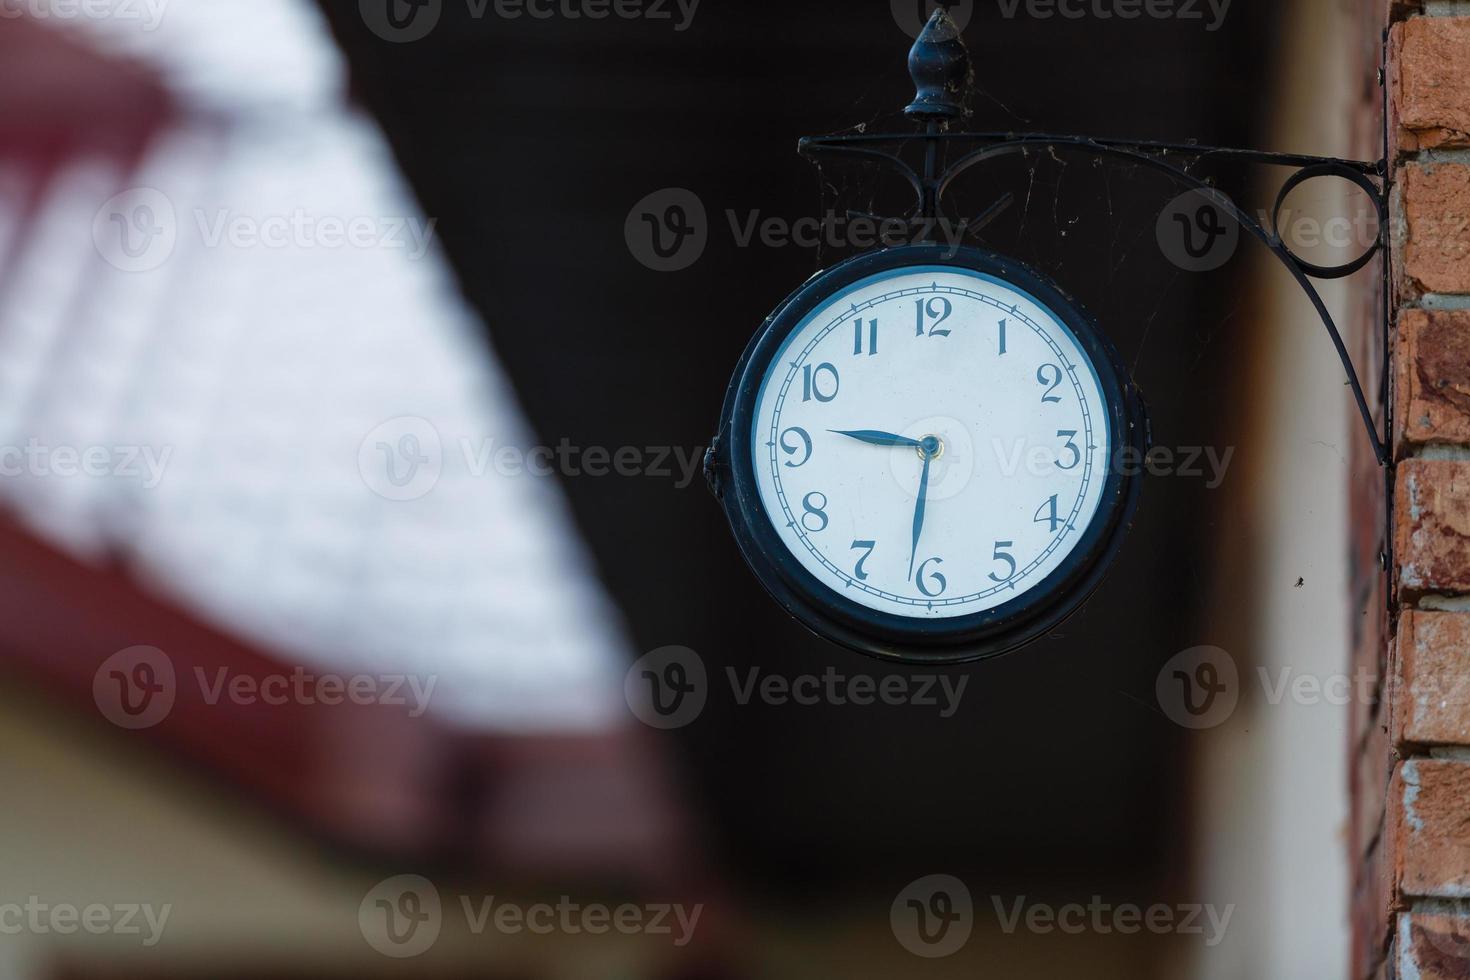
{"points": [[928, 448]]}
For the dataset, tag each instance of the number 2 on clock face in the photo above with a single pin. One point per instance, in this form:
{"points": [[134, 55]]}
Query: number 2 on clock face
{"points": [[930, 442]]}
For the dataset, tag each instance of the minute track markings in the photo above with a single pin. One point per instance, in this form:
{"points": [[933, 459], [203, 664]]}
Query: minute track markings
{"points": [[979, 493], [1012, 309]]}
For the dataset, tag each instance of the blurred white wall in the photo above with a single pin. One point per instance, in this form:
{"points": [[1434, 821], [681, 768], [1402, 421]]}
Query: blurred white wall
{"points": [[256, 302]]}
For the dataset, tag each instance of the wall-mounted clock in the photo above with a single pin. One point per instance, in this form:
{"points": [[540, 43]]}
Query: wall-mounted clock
{"points": [[918, 454]]}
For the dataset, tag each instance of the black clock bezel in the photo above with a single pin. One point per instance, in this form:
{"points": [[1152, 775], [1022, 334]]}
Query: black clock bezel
{"points": [[886, 635]]}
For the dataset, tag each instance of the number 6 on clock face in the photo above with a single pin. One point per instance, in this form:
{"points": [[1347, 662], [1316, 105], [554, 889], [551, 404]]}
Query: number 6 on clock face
{"points": [[916, 454]]}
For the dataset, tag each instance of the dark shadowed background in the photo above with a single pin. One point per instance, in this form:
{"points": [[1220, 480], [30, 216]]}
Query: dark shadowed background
{"points": [[531, 140]]}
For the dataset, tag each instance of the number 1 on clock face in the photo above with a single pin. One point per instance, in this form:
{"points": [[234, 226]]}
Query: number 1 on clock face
{"points": [[930, 442]]}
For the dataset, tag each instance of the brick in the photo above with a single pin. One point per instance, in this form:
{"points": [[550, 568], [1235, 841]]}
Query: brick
{"points": [[1432, 525], [1370, 778], [1395, 10], [1367, 496], [1431, 828], [1372, 914], [1392, 128], [1432, 377], [1370, 664], [1430, 105], [1385, 969], [1431, 702], [1429, 88], [1433, 224], [1432, 946]]}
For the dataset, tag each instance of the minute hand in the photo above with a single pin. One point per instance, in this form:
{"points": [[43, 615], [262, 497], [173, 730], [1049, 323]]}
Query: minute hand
{"points": [[876, 438], [919, 514]]}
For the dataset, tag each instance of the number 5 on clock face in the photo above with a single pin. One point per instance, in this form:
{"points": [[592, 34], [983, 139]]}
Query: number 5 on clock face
{"points": [[926, 453]]}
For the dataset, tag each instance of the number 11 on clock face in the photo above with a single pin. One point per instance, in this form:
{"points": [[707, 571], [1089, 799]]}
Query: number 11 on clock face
{"points": [[930, 443]]}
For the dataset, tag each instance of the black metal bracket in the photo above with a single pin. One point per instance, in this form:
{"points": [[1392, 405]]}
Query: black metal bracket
{"points": [[940, 67]]}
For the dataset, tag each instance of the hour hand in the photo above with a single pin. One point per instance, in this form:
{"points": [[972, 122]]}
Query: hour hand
{"points": [[876, 438]]}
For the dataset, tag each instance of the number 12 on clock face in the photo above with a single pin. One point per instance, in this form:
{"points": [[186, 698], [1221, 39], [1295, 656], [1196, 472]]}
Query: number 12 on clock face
{"points": [[928, 448]]}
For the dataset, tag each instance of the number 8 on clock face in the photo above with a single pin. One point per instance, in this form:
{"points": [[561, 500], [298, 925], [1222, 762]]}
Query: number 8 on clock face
{"points": [[917, 454]]}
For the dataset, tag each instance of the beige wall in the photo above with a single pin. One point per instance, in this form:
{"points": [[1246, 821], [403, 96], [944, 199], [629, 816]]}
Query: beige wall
{"points": [[1271, 787]]}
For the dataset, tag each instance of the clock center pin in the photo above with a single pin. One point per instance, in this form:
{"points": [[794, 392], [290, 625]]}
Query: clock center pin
{"points": [[930, 447]]}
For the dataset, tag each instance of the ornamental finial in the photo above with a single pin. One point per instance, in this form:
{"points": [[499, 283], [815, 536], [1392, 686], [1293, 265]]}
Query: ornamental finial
{"points": [[939, 64]]}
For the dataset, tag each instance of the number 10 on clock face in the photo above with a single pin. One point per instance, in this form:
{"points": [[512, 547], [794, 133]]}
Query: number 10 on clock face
{"points": [[930, 443], [914, 454]]}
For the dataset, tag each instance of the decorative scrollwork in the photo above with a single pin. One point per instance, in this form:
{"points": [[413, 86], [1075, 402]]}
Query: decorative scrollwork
{"points": [[940, 68]]}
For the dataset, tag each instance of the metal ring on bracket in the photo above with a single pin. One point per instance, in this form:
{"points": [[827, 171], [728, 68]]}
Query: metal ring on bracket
{"points": [[1362, 181]]}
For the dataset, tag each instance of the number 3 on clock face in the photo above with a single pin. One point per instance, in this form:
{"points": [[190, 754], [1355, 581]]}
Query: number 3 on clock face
{"points": [[917, 454]]}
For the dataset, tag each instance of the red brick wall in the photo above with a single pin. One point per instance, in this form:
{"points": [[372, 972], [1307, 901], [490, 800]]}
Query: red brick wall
{"points": [[1410, 840]]}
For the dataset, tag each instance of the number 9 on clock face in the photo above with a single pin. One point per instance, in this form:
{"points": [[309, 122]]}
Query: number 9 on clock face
{"points": [[917, 455]]}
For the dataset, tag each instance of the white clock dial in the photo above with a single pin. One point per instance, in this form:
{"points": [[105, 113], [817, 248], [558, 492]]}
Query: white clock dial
{"points": [[931, 442]]}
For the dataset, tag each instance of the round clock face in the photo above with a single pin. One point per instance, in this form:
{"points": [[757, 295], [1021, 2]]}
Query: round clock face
{"points": [[930, 442], [926, 449]]}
